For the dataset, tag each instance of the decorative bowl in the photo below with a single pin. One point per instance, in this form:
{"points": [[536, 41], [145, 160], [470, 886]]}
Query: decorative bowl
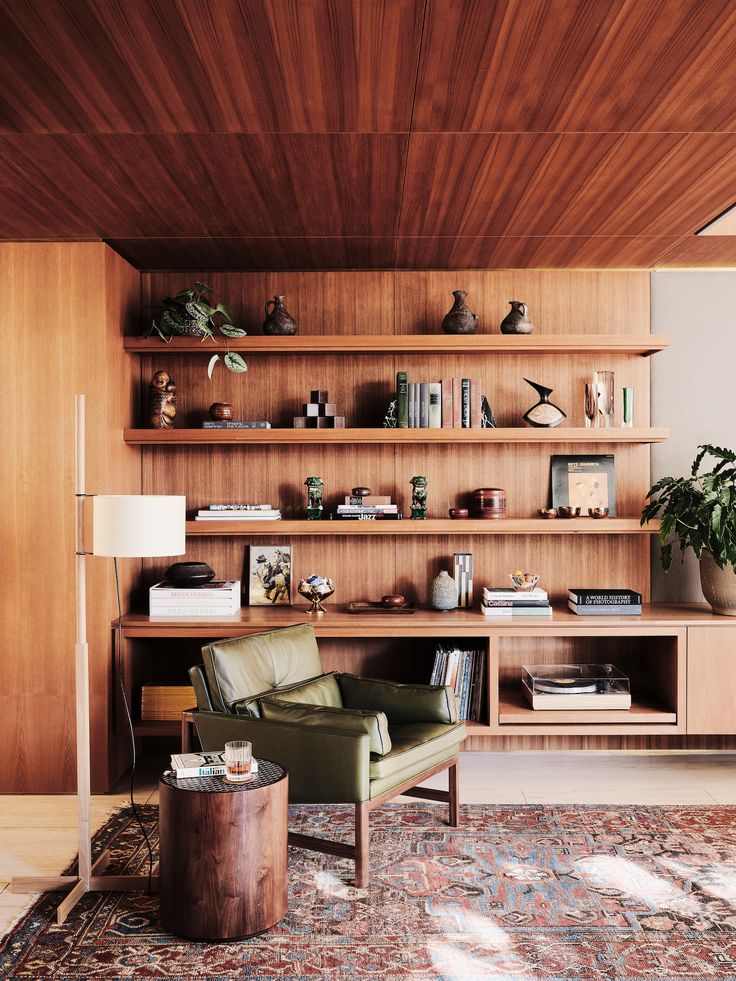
{"points": [[393, 602], [361, 492], [548, 512], [316, 589], [524, 581], [458, 513], [568, 512], [598, 512], [221, 411], [189, 575]]}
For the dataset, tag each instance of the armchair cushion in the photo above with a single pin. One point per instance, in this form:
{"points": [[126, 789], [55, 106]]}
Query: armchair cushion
{"points": [[401, 703], [374, 724], [322, 690], [244, 666], [416, 743]]}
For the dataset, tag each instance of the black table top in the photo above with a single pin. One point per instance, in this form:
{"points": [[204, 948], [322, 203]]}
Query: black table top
{"points": [[268, 773]]}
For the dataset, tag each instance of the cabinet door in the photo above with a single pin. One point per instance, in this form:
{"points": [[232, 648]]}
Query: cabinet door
{"points": [[711, 680]]}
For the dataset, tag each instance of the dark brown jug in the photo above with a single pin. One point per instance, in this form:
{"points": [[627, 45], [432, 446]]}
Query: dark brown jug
{"points": [[279, 320], [460, 319], [517, 319]]}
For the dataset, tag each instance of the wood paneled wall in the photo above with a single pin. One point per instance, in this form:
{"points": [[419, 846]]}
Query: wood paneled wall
{"points": [[404, 302], [66, 306]]}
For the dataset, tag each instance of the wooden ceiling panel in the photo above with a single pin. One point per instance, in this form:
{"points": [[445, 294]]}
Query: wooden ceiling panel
{"points": [[200, 186], [601, 66], [696, 252], [565, 184], [196, 66]]}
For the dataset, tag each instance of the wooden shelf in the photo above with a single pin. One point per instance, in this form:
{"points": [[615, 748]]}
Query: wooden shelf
{"points": [[436, 526], [157, 728], [646, 709], [265, 437], [642, 344]]}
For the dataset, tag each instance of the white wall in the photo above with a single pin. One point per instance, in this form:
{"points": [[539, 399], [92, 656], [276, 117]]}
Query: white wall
{"points": [[693, 391]]}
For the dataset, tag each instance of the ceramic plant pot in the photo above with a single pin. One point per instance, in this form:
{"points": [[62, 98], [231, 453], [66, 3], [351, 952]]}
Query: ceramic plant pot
{"points": [[444, 592], [718, 585]]}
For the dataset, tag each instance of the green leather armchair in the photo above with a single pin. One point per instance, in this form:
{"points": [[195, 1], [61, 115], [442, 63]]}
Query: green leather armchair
{"points": [[343, 739]]}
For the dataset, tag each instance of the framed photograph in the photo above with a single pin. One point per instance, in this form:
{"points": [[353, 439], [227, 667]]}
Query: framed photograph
{"points": [[269, 575], [584, 482]]}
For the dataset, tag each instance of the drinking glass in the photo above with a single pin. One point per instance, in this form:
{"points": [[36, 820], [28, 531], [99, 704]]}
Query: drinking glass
{"points": [[591, 404], [604, 380], [238, 756]]}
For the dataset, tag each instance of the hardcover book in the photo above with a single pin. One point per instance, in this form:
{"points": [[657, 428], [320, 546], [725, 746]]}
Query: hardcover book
{"points": [[424, 405], [435, 405], [402, 400], [584, 482], [465, 402], [446, 385], [602, 597]]}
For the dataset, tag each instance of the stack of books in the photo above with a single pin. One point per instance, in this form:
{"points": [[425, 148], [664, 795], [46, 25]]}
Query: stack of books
{"points": [[238, 512], [371, 507], [184, 765], [604, 602], [502, 603], [216, 599], [452, 403], [463, 671], [165, 703]]}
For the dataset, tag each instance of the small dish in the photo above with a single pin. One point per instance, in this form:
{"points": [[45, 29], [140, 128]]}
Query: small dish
{"points": [[458, 513], [568, 512], [393, 602], [524, 581], [598, 512], [548, 512]]}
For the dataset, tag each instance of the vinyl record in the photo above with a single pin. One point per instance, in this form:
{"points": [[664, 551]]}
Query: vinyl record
{"points": [[570, 686]]}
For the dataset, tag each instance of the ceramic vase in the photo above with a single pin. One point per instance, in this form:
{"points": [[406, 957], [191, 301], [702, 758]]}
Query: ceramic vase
{"points": [[517, 319], [444, 592], [460, 319], [278, 320], [718, 585]]}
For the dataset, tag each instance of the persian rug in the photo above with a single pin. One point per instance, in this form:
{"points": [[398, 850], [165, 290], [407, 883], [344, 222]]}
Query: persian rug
{"points": [[515, 893]]}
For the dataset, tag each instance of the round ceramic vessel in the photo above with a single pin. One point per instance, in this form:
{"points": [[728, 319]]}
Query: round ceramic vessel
{"points": [[719, 585], [444, 592]]}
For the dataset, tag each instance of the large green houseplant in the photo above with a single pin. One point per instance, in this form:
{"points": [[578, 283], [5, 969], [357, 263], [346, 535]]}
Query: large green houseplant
{"points": [[699, 512], [189, 314]]}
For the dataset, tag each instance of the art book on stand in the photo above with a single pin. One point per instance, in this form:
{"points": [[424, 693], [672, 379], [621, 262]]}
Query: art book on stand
{"points": [[584, 482]]}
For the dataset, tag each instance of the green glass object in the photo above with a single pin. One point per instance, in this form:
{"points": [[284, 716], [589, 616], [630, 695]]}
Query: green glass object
{"points": [[314, 487], [628, 418], [419, 497]]}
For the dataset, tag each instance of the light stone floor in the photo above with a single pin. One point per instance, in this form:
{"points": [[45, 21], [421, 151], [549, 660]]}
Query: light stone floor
{"points": [[38, 834]]}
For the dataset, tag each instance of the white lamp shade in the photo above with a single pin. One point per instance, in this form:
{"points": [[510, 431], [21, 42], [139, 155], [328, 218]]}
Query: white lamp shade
{"points": [[138, 525]]}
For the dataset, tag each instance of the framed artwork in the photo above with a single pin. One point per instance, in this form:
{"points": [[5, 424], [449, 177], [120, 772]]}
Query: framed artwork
{"points": [[584, 482], [269, 575]]}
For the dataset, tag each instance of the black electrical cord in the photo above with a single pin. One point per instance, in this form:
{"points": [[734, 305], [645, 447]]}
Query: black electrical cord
{"points": [[121, 669]]}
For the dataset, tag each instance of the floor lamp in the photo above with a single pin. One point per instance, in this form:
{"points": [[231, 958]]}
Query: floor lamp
{"points": [[123, 526]]}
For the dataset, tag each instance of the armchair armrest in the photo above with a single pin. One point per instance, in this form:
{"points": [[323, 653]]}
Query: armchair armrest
{"points": [[326, 765], [331, 717], [400, 702]]}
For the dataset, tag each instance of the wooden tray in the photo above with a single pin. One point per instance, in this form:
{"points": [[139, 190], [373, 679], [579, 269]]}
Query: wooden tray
{"points": [[365, 606]]}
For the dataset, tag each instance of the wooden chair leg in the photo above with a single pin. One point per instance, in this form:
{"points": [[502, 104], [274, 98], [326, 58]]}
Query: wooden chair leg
{"points": [[452, 773], [362, 840]]}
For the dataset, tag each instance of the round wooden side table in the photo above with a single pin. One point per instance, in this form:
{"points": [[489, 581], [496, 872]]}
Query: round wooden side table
{"points": [[223, 854]]}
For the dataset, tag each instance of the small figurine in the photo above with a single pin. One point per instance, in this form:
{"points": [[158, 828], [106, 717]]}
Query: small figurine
{"points": [[314, 487], [419, 497], [161, 401]]}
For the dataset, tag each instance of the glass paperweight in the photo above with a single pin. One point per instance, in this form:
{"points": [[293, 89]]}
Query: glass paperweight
{"points": [[543, 414], [570, 687]]}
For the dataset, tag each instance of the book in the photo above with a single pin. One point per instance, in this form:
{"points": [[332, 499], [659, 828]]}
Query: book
{"points": [[457, 404], [435, 405], [600, 597], [402, 400], [424, 405], [461, 670], [516, 604], [193, 611], [236, 424], [503, 612], [475, 403], [367, 508], [237, 507], [256, 514], [375, 516], [186, 765], [500, 592], [586, 610], [234, 516], [446, 387], [417, 406], [584, 482], [215, 590], [411, 394], [465, 402], [369, 499]]}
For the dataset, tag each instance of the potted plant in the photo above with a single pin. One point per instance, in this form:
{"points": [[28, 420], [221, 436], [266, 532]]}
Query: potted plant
{"points": [[699, 512], [188, 314]]}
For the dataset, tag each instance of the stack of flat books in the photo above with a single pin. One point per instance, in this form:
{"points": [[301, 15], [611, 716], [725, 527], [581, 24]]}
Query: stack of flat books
{"points": [[500, 603], [216, 599], [238, 512], [371, 507], [604, 602], [463, 671], [185, 765], [452, 403]]}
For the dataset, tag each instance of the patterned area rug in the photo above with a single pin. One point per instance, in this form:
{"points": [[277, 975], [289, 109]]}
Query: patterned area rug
{"points": [[515, 893]]}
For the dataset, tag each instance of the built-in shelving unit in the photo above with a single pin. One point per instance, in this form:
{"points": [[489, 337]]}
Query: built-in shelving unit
{"points": [[261, 437], [642, 344]]}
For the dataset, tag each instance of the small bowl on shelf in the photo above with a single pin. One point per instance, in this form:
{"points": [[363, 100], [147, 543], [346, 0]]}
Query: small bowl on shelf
{"points": [[548, 512], [316, 589], [598, 512], [524, 582], [458, 514], [569, 512], [393, 602]]}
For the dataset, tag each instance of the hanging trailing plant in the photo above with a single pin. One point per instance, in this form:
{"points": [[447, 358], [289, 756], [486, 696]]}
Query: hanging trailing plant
{"points": [[188, 314]]}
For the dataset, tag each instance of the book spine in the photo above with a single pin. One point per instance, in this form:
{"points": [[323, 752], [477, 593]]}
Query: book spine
{"points": [[435, 405], [402, 400], [457, 404], [475, 398], [465, 396], [200, 771], [592, 598], [411, 423], [603, 611], [461, 658], [446, 387], [367, 508], [189, 611], [368, 517], [200, 595], [424, 405], [436, 666], [237, 507], [258, 424]]}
